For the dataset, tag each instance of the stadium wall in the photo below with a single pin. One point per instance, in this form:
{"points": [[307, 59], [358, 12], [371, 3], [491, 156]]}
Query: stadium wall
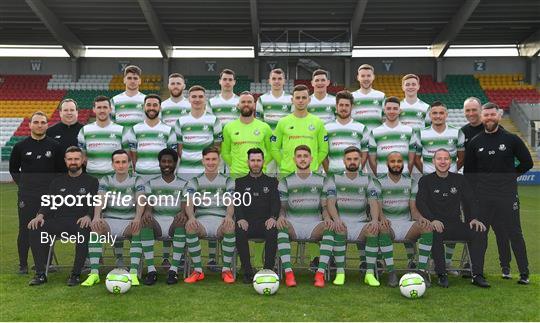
{"points": [[247, 67]]}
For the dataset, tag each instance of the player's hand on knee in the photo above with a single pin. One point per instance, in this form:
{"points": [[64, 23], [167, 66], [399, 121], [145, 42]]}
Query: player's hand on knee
{"points": [[424, 223], [329, 224], [192, 225], [228, 223], [146, 219], [84, 222], [180, 220], [477, 226], [437, 226], [281, 223], [97, 224], [36, 222], [136, 225], [243, 224], [384, 223], [372, 227], [339, 225], [270, 223]]}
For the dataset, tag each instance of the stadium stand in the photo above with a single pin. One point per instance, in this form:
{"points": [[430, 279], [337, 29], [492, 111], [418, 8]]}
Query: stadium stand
{"points": [[263, 87], [503, 88]]}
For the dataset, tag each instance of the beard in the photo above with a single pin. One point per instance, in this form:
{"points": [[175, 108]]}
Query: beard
{"points": [[246, 112], [74, 168], [151, 114], [352, 168], [395, 172], [491, 126], [176, 93], [300, 167]]}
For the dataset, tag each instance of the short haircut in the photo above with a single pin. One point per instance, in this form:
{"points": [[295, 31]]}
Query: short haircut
{"points": [[101, 98], [302, 147], [490, 105], [132, 69], [196, 88], [255, 151], [152, 96], [168, 152], [438, 104], [120, 152], [344, 94], [441, 150], [277, 71], [319, 72], [392, 99], [173, 75], [300, 87], [351, 149], [39, 113], [394, 152], [473, 99], [410, 76], [227, 71], [73, 149], [210, 149], [65, 101], [366, 67]]}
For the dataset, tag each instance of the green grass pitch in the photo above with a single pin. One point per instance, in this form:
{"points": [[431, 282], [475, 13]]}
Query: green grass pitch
{"points": [[212, 300]]}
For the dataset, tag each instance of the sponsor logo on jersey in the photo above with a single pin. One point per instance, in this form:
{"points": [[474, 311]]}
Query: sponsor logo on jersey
{"points": [[491, 152], [62, 189], [57, 136], [480, 149]]}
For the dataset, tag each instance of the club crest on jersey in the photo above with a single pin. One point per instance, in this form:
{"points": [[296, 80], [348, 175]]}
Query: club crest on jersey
{"points": [[21, 204], [354, 134], [313, 189], [266, 190], [406, 190], [384, 138], [205, 127], [129, 190], [360, 190], [237, 133], [248, 189], [48, 154], [295, 190], [233, 109], [268, 107], [328, 108], [256, 132], [218, 110], [375, 101], [502, 147], [480, 149], [450, 141], [403, 136], [453, 190], [284, 107], [273, 139], [57, 136], [311, 127], [113, 136], [160, 135], [419, 114], [82, 190]]}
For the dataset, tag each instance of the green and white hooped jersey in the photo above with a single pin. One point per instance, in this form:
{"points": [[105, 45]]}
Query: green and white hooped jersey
{"points": [[212, 194], [325, 109], [368, 108], [166, 195], [415, 115], [271, 109], [351, 195], [147, 142], [429, 141], [99, 143], [116, 208], [339, 138], [395, 197], [171, 111], [303, 196], [128, 110], [195, 134], [383, 140], [225, 110]]}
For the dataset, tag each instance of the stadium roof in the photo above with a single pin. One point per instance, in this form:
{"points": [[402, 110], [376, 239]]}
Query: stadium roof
{"points": [[168, 23]]}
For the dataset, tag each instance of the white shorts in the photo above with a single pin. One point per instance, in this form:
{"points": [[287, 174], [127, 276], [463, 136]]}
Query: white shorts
{"points": [[165, 223], [272, 169], [400, 228], [354, 227], [210, 224], [303, 226], [117, 226]]}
